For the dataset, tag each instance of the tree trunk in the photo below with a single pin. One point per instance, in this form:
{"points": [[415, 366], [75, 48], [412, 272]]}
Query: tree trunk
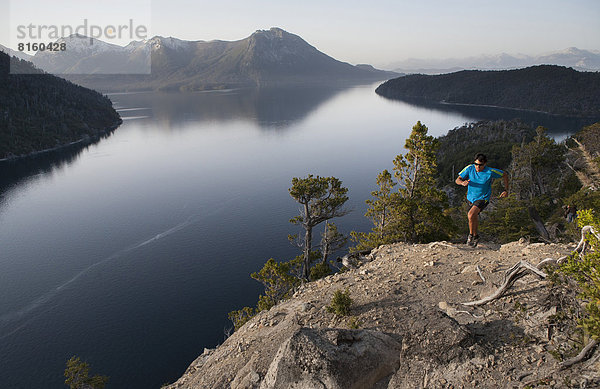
{"points": [[325, 253], [413, 234], [307, 247], [325, 244], [382, 223], [540, 183], [539, 224], [415, 172]]}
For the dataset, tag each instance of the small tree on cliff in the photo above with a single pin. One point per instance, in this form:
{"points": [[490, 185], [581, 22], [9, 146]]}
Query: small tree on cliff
{"points": [[77, 376], [279, 281], [584, 268], [537, 176], [419, 213], [321, 198], [380, 212]]}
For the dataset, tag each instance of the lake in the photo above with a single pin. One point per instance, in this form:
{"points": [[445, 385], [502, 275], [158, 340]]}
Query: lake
{"points": [[131, 252]]}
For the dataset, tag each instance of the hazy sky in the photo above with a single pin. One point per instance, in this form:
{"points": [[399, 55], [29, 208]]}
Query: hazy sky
{"points": [[377, 32]]}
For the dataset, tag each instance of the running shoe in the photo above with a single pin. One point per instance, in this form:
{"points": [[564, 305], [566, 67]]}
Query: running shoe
{"points": [[470, 240]]}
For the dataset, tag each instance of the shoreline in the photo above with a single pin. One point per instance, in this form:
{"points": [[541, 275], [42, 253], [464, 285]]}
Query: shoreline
{"points": [[433, 102], [511, 108], [447, 103], [85, 141]]}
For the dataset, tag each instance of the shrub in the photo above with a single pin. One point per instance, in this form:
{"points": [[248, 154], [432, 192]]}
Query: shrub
{"points": [[279, 281], [319, 271], [77, 376], [340, 303], [508, 221], [354, 323], [241, 316], [585, 270]]}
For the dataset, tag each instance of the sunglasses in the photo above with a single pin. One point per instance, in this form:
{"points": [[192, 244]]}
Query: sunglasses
{"points": [[479, 164]]}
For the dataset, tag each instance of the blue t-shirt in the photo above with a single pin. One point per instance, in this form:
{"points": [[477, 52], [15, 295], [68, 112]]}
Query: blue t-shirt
{"points": [[480, 184]]}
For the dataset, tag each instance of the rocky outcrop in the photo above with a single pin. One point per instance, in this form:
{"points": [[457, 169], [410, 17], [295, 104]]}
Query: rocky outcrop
{"points": [[333, 358], [414, 332]]}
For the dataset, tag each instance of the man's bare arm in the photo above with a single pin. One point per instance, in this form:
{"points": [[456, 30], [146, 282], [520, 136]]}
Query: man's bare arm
{"points": [[459, 181], [505, 193]]}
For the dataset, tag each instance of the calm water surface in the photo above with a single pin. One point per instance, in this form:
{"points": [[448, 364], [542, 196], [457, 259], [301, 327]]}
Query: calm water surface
{"points": [[130, 253]]}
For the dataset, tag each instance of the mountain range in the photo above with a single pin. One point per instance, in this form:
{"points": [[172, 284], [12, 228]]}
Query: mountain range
{"points": [[265, 58], [582, 60], [84, 55]]}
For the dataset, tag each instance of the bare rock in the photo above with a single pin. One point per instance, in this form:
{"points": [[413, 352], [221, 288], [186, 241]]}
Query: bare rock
{"points": [[333, 358], [247, 377], [414, 332]]}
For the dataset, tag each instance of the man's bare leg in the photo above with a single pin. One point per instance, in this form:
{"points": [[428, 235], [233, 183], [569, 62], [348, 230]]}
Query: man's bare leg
{"points": [[473, 216]]}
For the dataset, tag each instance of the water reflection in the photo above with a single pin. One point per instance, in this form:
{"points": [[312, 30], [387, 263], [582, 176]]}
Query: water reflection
{"points": [[558, 126], [14, 172], [269, 108]]}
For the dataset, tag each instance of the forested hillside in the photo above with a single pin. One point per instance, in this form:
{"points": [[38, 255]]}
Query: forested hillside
{"points": [[39, 111], [546, 88], [495, 139]]}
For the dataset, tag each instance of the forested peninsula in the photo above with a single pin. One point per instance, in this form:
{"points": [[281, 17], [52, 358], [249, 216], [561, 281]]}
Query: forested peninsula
{"points": [[39, 111], [545, 88]]}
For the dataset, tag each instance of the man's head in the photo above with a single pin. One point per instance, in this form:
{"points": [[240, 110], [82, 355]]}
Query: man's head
{"points": [[480, 161]]}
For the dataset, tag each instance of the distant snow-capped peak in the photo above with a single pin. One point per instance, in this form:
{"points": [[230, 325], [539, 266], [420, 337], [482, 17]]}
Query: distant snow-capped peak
{"points": [[81, 43], [571, 56]]}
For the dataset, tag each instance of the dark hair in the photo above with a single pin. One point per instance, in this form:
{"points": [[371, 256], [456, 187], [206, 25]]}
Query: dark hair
{"points": [[481, 157]]}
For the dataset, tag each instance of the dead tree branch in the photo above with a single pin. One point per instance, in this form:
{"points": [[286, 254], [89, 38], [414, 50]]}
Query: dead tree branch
{"points": [[521, 269], [480, 274], [583, 354], [583, 243]]}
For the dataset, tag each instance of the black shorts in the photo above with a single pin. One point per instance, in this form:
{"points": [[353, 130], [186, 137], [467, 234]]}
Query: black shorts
{"points": [[481, 204]]}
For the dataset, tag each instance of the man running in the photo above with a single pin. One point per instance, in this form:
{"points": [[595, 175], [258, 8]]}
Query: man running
{"points": [[478, 179]]}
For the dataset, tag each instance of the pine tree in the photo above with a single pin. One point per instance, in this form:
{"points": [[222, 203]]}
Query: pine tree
{"points": [[584, 268], [416, 212], [419, 212], [380, 212], [278, 279], [536, 167], [537, 175], [322, 198]]}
